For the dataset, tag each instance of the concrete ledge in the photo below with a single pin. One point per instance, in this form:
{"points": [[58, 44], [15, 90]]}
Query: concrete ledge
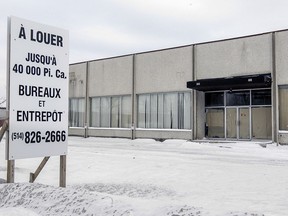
{"points": [[110, 132], [163, 134], [73, 131]]}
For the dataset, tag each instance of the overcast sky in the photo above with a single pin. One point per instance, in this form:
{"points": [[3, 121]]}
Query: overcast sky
{"points": [[106, 28]]}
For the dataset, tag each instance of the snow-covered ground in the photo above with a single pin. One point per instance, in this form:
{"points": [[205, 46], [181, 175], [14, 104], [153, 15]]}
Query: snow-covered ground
{"points": [[150, 178]]}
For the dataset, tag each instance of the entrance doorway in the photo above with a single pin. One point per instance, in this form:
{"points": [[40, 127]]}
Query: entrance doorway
{"points": [[238, 123], [238, 115]]}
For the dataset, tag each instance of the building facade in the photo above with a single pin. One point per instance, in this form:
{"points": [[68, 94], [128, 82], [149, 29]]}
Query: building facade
{"points": [[234, 89]]}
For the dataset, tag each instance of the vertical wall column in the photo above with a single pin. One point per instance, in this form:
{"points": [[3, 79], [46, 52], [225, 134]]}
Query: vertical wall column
{"points": [[86, 114], [193, 99], [275, 110], [198, 126], [133, 100]]}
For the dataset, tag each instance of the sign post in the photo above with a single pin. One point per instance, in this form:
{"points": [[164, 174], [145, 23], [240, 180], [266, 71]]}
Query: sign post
{"points": [[38, 70]]}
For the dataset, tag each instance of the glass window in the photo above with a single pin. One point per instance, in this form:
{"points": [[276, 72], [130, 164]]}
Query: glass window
{"points": [[111, 112], [187, 110], [164, 110], [125, 111], [214, 99], [95, 112], [184, 111], [144, 111], [105, 112], [171, 111], [76, 112], [261, 97], [283, 108], [153, 111], [160, 110], [115, 112], [240, 98]]}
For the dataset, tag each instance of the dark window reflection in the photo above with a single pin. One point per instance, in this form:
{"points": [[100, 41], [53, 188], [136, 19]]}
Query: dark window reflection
{"points": [[261, 97], [214, 99], [238, 98]]}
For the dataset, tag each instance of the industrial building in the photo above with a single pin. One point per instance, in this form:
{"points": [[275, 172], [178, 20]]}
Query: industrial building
{"points": [[233, 89]]}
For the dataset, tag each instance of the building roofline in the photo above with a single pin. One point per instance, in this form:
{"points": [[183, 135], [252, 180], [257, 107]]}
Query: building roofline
{"points": [[241, 37], [182, 46]]}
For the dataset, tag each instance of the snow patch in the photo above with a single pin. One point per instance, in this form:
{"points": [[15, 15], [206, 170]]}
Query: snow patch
{"points": [[16, 212], [130, 190], [145, 177], [49, 200]]}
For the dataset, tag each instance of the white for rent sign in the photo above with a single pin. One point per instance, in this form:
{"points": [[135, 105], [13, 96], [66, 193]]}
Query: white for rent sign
{"points": [[38, 69]]}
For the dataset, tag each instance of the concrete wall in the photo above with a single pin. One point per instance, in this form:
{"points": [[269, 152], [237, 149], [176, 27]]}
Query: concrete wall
{"points": [[77, 80], [281, 52], [163, 71], [243, 56], [110, 77], [281, 68], [154, 72], [77, 89]]}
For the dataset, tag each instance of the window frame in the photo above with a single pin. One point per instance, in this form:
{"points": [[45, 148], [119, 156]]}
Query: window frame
{"points": [[145, 114], [109, 111], [70, 117]]}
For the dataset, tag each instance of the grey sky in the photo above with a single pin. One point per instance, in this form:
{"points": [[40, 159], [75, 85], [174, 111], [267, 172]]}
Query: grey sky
{"points": [[106, 28]]}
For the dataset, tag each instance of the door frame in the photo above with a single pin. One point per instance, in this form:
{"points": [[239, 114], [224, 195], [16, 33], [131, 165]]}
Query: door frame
{"points": [[238, 122]]}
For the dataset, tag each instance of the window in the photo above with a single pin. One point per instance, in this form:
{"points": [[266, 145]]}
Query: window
{"points": [[125, 112], [261, 97], [115, 112], [283, 111], [144, 111], [76, 112], [105, 110], [95, 112], [238, 98], [111, 112], [171, 111], [164, 110], [214, 99]]}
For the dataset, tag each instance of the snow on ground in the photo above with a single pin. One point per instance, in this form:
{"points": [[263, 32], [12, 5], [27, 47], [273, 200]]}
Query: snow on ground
{"points": [[144, 177]]}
